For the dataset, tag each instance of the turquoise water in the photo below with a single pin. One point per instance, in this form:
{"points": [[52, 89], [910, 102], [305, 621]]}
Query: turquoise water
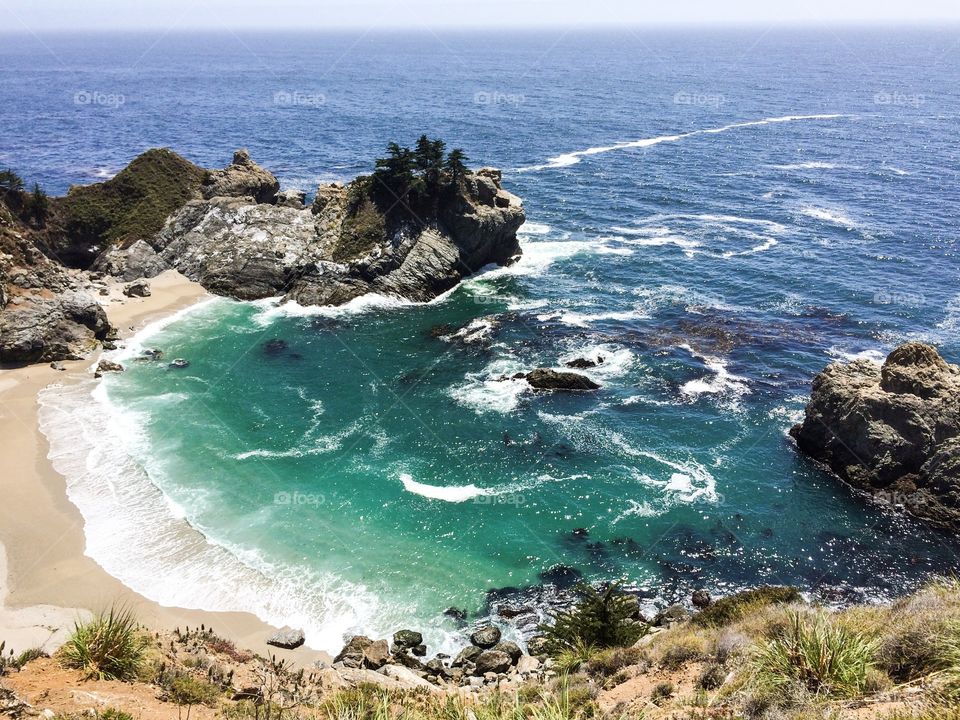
{"points": [[717, 216]]}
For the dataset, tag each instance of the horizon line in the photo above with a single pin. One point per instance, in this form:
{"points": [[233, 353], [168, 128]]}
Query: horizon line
{"points": [[851, 24]]}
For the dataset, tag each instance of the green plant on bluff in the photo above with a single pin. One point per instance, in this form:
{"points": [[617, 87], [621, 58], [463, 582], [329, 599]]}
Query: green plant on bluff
{"points": [[601, 618], [820, 655], [131, 206], [38, 206], [186, 691], [10, 182], [736, 607], [111, 646], [363, 229], [409, 183]]}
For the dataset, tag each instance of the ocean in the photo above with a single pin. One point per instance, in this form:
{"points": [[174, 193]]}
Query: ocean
{"points": [[716, 215]]}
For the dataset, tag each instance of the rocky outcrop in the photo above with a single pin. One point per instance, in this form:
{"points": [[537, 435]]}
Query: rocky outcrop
{"points": [[237, 248], [340, 248], [892, 430], [242, 178], [46, 313], [139, 260], [42, 328]]}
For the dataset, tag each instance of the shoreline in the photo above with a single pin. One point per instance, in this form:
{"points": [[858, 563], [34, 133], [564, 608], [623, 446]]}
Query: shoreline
{"points": [[45, 586]]}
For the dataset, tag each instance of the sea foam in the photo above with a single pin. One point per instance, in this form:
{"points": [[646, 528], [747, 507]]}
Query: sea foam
{"points": [[572, 158]]}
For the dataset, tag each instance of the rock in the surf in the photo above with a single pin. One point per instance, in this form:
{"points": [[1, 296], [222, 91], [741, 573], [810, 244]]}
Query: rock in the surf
{"points": [[105, 366], [892, 430], [407, 639], [486, 637], [546, 379], [287, 638], [583, 363]]}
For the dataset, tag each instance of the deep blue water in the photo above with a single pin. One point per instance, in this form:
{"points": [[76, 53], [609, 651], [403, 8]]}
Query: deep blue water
{"points": [[753, 205]]}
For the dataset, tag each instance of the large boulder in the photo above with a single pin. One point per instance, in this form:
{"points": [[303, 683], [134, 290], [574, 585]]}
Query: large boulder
{"points": [[407, 639], [42, 329], [486, 637], [493, 661], [139, 260], [287, 638], [891, 430], [242, 178], [545, 379], [352, 653]]}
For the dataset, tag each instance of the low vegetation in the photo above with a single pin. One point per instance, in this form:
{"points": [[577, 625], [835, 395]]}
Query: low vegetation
{"points": [[131, 206], [738, 606], [761, 656], [111, 646], [601, 619]]}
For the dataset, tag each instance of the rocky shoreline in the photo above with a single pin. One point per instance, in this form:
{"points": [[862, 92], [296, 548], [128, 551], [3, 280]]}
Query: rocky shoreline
{"points": [[234, 232]]}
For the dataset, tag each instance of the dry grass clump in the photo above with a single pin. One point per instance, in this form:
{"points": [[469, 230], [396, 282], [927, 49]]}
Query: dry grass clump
{"points": [[677, 647], [736, 607]]}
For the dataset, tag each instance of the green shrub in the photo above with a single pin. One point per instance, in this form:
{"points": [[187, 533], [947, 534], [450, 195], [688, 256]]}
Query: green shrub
{"points": [[109, 647], [602, 619], [570, 659], [735, 607], [824, 658]]}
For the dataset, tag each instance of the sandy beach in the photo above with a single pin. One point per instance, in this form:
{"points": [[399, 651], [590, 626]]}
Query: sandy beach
{"points": [[46, 580]]}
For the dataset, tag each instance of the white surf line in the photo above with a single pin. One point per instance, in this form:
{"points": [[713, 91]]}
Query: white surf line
{"points": [[573, 158]]}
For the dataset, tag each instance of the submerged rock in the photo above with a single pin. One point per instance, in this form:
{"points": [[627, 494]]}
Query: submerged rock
{"points": [[545, 379], [584, 363], [892, 430], [180, 363]]}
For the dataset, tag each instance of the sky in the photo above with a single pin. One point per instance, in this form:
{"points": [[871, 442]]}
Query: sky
{"points": [[57, 15]]}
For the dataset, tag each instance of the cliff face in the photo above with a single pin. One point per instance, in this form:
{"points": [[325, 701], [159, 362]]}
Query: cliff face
{"points": [[343, 246], [46, 312], [892, 430]]}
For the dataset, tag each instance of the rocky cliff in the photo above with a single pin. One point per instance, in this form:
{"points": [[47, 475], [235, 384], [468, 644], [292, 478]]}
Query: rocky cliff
{"points": [[237, 234], [252, 243], [891, 429], [46, 312]]}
